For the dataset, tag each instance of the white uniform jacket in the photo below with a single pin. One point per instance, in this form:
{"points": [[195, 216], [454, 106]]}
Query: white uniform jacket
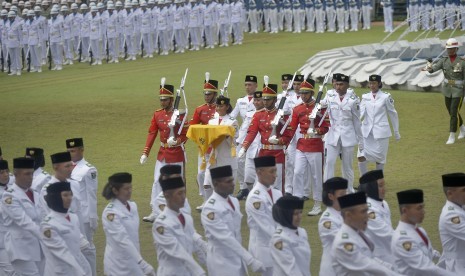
{"points": [[260, 220], [225, 256], [329, 224], [21, 219], [345, 120], [176, 243], [380, 229], [160, 204], [411, 255], [374, 114], [352, 256], [40, 178], [122, 250], [87, 177], [61, 239], [290, 251], [452, 233]]}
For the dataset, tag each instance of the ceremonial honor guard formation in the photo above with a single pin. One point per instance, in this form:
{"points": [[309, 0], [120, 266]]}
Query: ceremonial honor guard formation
{"points": [[282, 155]]}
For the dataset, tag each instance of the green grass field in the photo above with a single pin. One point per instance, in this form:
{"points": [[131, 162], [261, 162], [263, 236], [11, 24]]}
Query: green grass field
{"points": [[110, 106]]}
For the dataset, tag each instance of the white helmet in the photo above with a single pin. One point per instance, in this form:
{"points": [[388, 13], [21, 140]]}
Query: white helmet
{"points": [[74, 6], [92, 4], [14, 2], [14, 8], [100, 5], [110, 2], [93, 9], [11, 14], [54, 11], [134, 3], [27, 4], [25, 11], [7, 5], [37, 9], [151, 2], [4, 13], [21, 3], [119, 4], [30, 13], [84, 6], [64, 8], [452, 43], [143, 3], [127, 5], [110, 6]]}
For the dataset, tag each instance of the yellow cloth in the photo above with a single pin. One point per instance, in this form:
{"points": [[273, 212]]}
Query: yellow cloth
{"points": [[206, 136]]}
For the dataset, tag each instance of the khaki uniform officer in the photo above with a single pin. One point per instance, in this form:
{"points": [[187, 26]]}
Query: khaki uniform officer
{"points": [[453, 68]]}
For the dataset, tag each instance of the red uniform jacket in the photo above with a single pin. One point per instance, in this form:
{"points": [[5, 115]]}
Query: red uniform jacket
{"points": [[261, 123], [300, 116], [203, 114], [159, 123]]}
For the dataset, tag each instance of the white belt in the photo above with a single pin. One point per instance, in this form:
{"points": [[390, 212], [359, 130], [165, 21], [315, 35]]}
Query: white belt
{"points": [[272, 147], [308, 136], [453, 82], [165, 145]]}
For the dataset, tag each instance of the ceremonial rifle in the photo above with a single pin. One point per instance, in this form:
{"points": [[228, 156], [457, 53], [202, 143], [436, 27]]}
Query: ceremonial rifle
{"points": [[22, 57], [225, 87], [49, 56], [80, 49], [141, 46], [8, 62], [28, 56], [175, 115], [280, 112], [317, 107]]}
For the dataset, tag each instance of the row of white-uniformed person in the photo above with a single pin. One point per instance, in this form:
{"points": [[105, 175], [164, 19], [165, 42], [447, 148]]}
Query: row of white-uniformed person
{"points": [[355, 229], [20, 249]]}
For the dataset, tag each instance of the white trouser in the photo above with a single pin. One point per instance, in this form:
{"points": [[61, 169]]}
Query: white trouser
{"points": [[180, 39], [209, 35], [425, 11], [290, 161], [375, 150], [308, 164], [354, 19], [137, 37], [332, 153], [450, 15], [346, 17], [274, 20], [164, 40], [366, 10], [156, 188], [112, 48], [413, 13], [310, 13], [253, 19], [266, 15], [237, 31], [85, 42], [26, 268], [296, 16], [121, 43], [15, 58], [43, 48], [68, 47], [462, 17], [330, 16], [155, 40], [320, 20], [57, 52], [278, 184], [94, 45], [241, 169], [201, 174], [90, 252], [130, 45], [195, 36], [439, 19], [288, 19], [340, 19], [148, 47], [5, 266], [75, 41], [34, 51], [224, 33], [250, 174], [387, 12]]}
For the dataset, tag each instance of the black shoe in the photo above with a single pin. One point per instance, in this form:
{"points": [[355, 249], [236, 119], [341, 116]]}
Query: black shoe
{"points": [[242, 194]]}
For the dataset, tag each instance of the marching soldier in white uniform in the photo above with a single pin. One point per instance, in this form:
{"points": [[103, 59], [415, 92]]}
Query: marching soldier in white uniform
{"points": [[209, 21], [67, 35], [387, 13], [95, 35], [366, 14], [345, 131], [374, 110], [113, 29], [40, 177], [379, 228], [259, 206], [14, 37], [86, 175], [221, 155], [221, 218], [237, 9], [452, 223], [244, 105], [289, 245], [34, 39], [174, 234], [120, 221], [60, 234], [56, 39], [412, 249], [21, 219], [331, 220], [352, 250], [5, 265]]}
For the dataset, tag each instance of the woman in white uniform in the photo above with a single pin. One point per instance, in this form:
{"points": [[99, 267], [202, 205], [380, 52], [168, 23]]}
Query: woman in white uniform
{"points": [[120, 221], [289, 244], [60, 235], [375, 107], [222, 154]]}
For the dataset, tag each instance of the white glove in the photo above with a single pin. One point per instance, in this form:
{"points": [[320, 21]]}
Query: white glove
{"points": [[257, 266], [311, 132], [143, 159], [171, 142], [83, 243], [273, 140], [146, 268], [241, 153], [93, 224], [397, 135], [436, 254]]}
